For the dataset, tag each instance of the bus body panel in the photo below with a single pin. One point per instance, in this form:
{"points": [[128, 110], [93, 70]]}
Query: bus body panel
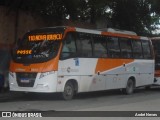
{"points": [[156, 44], [77, 66], [157, 77], [88, 79], [62, 81], [114, 78], [157, 81], [46, 83], [51, 65]]}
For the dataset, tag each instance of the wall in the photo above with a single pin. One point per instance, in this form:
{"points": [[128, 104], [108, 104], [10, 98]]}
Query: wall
{"points": [[6, 26], [26, 22]]}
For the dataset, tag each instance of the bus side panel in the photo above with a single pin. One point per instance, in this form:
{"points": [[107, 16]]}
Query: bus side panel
{"points": [[157, 77], [144, 72], [157, 82], [77, 66], [117, 77], [98, 82], [62, 81], [83, 70], [114, 76], [141, 70], [86, 83]]}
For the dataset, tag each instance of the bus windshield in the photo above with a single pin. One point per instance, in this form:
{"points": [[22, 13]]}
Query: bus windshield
{"points": [[35, 48]]}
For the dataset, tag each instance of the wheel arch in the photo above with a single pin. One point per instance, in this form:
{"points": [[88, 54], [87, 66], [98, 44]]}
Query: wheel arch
{"points": [[133, 79]]}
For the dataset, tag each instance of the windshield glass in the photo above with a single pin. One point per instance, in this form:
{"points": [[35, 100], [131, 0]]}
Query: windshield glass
{"points": [[37, 47]]}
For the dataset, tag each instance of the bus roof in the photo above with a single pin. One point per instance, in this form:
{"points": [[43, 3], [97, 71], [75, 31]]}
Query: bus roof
{"points": [[144, 38], [108, 32], [155, 38], [118, 31]]}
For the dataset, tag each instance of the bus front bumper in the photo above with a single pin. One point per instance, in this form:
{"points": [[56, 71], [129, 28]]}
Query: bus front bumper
{"points": [[44, 83]]}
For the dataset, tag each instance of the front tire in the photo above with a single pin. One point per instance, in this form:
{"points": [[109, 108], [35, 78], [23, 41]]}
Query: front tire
{"points": [[68, 92], [129, 87]]}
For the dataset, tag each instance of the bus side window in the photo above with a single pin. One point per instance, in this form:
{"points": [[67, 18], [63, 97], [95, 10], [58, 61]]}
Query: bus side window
{"points": [[113, 47], [69, 46], [100, 46], [146, 49], [137, 49], [84, 45], [126, 47]]}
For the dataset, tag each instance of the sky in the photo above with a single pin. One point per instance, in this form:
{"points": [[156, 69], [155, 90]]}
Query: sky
{"points": [[157, 31]]}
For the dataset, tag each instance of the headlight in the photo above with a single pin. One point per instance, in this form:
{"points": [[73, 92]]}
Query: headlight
{"points": [[45, 74]]}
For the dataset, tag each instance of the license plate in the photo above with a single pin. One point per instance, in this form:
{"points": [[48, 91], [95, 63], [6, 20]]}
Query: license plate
{"points": [[23, 80]]}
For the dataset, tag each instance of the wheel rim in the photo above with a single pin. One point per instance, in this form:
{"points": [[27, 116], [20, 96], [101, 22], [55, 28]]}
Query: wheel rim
{"points": [[68, 91]]}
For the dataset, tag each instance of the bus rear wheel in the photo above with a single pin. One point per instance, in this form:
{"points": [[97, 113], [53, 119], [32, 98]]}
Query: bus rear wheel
{"points": [[129, 87], [68, 92]]}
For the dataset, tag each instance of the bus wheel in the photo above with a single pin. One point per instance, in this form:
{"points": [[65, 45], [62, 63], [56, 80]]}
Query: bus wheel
{"points": [[129, 88], [68, 92]]}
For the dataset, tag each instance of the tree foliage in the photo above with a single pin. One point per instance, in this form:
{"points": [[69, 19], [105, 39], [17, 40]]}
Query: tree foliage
{"points": [[141, 16], [132, 15]]}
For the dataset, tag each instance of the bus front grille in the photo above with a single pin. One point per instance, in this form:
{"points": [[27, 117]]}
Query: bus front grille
{"points": [[26, 79]]}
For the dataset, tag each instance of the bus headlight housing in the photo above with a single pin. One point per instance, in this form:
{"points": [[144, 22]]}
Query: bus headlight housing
{"points": [[45, 74]]}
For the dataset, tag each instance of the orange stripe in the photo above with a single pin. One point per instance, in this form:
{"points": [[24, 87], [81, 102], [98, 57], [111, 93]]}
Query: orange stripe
{"points": [[120, 35], [157, 73], [36, 67], [108, 64], [69, 29]]}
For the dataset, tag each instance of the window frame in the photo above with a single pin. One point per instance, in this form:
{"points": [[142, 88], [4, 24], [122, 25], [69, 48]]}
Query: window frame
{"points": [[137, 40], [102, 36], [63, 41], [80, 53], [150, 50], [109, 56], [131, 47]]}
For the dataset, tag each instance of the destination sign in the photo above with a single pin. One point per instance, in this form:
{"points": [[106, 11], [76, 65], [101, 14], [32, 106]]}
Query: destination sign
{"points": [[24, 52], [45, 37]]}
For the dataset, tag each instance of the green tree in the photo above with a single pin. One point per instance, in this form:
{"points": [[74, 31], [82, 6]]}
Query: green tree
{"points": [[141, 16]]}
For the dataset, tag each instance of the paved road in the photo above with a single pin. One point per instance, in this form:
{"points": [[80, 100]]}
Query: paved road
{"points": [[113, 100]]}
